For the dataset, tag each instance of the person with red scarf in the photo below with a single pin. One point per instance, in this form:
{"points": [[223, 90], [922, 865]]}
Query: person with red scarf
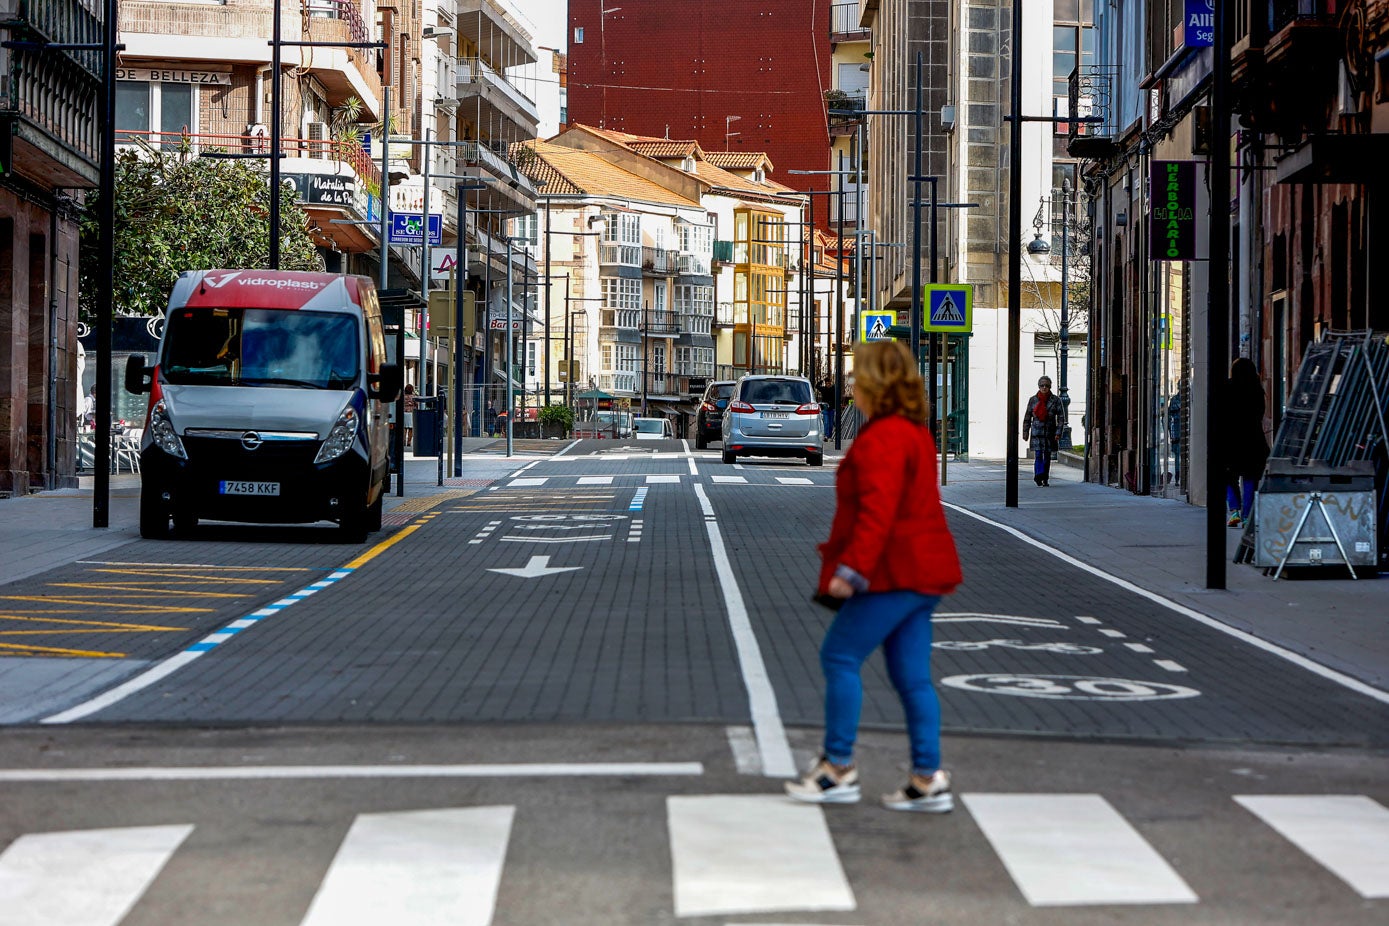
{"points": [[1042, 427], [889, 559]]}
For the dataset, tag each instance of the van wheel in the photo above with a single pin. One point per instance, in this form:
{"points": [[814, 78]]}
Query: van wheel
{"points": [[353, 526], [374, 512], [185, 522], [730, 457], [154, 517]]}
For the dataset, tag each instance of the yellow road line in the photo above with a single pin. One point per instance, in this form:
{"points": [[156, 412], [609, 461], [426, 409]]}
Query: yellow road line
{"points": [[118, 605], [425, 503], [94, 562], [60, 651], [58, 620], [99, 587], [384, 545], [194, 578]]}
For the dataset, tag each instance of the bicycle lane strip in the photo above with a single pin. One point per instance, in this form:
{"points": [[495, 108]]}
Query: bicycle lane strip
{"points": [[207, 644]]}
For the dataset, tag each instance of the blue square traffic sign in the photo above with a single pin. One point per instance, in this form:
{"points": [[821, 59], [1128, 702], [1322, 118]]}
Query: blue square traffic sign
{"points": [[407, 228], [949, 308]]}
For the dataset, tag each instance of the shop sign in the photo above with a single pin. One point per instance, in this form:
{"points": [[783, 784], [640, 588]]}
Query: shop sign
{"points": [[174, 75], [1199, 24], [1172, 221], [324, 189]]}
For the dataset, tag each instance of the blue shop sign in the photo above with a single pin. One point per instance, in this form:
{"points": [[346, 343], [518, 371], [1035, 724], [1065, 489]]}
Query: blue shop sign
{"points": [[1199, 24]]}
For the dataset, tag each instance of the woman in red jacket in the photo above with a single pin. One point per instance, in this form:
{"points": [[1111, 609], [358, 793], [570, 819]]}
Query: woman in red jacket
{"points": [[888, 561]]}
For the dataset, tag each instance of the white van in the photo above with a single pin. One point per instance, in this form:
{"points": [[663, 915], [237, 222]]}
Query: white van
{"points": [[267, 403]]}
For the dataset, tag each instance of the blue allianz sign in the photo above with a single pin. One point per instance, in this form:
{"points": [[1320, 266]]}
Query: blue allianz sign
{"points": [[1199, 29], [409, 229]]}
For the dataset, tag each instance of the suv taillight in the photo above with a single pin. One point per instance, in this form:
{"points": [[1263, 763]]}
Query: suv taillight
{"points": [[808, 409], [741, 407]]}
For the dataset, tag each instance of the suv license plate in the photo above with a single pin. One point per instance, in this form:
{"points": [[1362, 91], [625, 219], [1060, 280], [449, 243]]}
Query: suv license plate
{"points": [[776, 414], [228, 487]]}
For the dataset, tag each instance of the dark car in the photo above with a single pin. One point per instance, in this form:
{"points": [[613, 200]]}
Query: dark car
{"points": [[709, 419]]}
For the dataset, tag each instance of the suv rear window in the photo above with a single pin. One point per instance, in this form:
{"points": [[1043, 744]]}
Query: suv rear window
{"points": [[776, 392]]}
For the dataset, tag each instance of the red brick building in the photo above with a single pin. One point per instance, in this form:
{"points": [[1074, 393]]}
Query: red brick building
{"points": [[737, 75]]}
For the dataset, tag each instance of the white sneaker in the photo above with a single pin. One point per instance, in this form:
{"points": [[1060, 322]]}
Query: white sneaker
{"points": [[936, 798], [824, 785]]}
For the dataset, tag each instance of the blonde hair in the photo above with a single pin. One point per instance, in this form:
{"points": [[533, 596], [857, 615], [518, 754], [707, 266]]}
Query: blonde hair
{"points": [[889, 380]]}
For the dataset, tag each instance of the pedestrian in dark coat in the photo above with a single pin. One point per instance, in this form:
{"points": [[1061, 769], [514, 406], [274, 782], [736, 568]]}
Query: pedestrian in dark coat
{"points": [[889, 559], [1041, 428], [1245, 446]]}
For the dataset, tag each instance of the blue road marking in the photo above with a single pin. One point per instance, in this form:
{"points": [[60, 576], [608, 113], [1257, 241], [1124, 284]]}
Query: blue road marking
{"points": [[217, 637]]}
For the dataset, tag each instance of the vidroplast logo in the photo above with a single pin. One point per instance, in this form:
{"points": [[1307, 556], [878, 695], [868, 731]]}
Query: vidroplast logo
{"points": [[217, 281]]}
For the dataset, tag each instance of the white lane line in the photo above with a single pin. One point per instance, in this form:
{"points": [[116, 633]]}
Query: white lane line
{"points": [[684, 442], [744, 748], [662, 480], [738, 853], [82, 877], [1348, 834], [1169, 665], [1074, 849], [527, 483], [694, 470], [730, 480], [595, 480], [282, 772], [1331, 675], [1088, 620], [794, 481], [766, 717], [571, 445], [1116, 634], [1140, 648], [416, 868]]}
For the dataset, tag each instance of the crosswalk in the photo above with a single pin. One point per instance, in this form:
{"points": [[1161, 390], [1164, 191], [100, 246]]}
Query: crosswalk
{"points": [[652, 479], [729, 855]]}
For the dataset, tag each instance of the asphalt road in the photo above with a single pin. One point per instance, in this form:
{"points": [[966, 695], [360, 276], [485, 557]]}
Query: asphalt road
{"points": [[566, 697]]}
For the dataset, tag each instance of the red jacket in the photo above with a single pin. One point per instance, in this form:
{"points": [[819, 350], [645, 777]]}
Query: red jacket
{"points": [[889, 525]]}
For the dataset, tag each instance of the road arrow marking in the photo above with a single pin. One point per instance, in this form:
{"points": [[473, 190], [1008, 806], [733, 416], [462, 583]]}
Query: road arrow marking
{"points": [[538, 566]]}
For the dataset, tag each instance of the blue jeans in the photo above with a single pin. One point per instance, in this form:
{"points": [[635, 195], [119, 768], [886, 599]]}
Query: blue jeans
{"points": [[899, 622], [1245, 504]]}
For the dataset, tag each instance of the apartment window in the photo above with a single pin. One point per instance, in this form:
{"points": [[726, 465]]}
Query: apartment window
{"points": [[1072, 44], [607, 350], [697, 239], [578, 35], [525, 228], [627, 359], [145, 107]]}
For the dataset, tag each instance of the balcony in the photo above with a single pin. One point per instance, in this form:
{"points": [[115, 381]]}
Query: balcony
{"points": [[840, 124], [493, 100], [723, 317], [51, 99], [723, 252], [1285, 63], [1092, 95], [693, 265], [844, 23], [496, 28], [659, 261], [660, 324], [618, 382], [664, 385], [626, 255], [491, 158]]}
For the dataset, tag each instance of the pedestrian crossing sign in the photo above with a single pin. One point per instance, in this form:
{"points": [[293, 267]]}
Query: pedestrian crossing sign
{"points": [[950, 307], [873, 326]]}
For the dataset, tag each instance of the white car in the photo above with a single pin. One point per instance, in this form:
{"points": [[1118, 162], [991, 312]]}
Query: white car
{"points": [[652, 429]]}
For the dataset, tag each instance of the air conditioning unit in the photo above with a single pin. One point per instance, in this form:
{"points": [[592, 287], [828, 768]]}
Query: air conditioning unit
{"points": [[319, 138]]}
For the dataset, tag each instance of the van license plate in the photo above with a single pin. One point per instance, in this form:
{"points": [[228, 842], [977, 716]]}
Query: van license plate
{"points": [[228, 487]]}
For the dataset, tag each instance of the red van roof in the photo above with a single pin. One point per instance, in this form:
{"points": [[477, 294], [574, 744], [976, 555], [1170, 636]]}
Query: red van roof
{"points": [[272, 289]]}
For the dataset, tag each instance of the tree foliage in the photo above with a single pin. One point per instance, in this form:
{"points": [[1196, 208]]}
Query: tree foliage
{"points": [[176, 211]]}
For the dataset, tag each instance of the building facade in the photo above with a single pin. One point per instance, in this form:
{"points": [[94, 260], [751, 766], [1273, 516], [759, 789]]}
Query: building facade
{"points": [[48, 157]]}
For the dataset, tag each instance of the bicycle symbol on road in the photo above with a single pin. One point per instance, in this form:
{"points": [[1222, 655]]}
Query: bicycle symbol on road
{"points": [[1064, 649]]}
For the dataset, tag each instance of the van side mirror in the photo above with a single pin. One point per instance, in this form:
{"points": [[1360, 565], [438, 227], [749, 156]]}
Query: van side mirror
{"points": [[385, 385], [138, 379]]}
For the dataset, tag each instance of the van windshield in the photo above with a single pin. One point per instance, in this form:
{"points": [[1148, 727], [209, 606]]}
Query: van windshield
{"points": [[261, 347]]}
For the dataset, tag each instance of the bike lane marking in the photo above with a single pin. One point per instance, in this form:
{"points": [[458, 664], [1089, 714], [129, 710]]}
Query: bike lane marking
{"points": [[1273, 649]]}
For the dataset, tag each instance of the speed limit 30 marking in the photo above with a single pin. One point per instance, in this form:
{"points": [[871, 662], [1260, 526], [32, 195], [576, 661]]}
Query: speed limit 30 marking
{"points": [[1070, 687]]}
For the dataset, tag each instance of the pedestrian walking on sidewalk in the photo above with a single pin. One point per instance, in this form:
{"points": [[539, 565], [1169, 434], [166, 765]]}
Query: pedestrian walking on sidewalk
{"points": [[1041, 428], [410, 404], [889, 559], [1246, 447]]}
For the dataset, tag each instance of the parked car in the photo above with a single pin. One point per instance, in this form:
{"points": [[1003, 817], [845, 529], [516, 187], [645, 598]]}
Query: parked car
{"points": [[709, 418], [652, 429], [773, 416], [619, 422]]}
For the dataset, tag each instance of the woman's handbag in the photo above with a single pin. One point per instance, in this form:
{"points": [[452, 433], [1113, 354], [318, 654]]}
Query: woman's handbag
{"points": [[827, 600]]}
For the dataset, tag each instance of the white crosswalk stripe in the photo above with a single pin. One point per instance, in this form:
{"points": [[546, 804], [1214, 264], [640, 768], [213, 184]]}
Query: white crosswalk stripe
{"points": [[730, 855], [416, 868], [731, 480], [595, 480], [82, 877], [1074, 849], [660, 480], [527, 482], [794, 481], [1347, 834], [756, 853]]}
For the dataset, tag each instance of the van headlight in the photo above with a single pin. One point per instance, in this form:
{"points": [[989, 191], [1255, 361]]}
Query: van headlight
{"points": [[341, 438], [162, 432]]}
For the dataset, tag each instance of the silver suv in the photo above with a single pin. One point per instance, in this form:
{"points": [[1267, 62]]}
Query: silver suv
{"points": [[773, 416]]}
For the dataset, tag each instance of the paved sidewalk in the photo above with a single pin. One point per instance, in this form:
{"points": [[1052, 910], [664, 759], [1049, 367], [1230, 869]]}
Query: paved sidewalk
{"points": [[1159, 545]]}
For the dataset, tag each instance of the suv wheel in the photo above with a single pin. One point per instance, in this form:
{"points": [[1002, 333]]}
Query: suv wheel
{"points": [[815, 459], [730, 457]]}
